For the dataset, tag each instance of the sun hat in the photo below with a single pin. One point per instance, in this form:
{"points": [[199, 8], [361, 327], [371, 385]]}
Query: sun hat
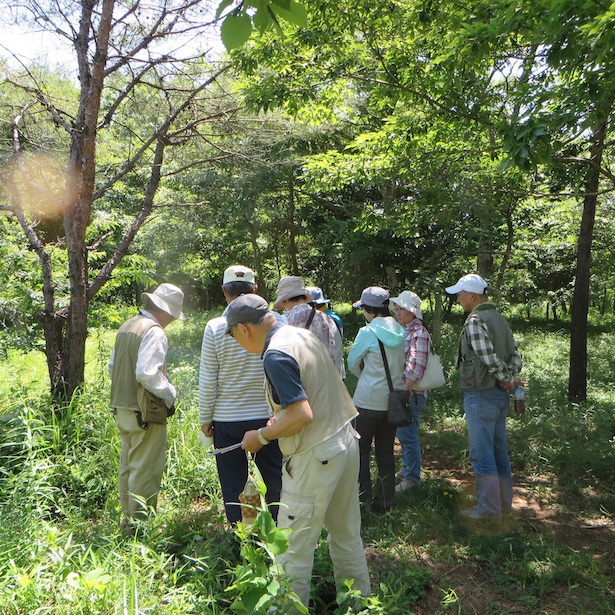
{"points": [[289, 287], [168, 298], [247, 308], [373, 296], [471, 283], [317, 295], [409, 301], [238, 273]]}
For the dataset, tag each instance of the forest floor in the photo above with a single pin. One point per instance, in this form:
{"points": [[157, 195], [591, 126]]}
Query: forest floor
{"points": [[478, 590]]}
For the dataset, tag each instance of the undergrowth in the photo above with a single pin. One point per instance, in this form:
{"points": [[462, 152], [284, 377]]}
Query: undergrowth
{"points": [[61, 551]]}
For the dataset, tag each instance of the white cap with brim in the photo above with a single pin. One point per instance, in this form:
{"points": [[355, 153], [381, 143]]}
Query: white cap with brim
{"points": [[471, 283], [409, 301], [168, 298], [289, 287], [238, 273]]}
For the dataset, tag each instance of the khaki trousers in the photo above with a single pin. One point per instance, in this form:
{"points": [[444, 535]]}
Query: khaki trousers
{"points": [[142, 460], [320, 488]]}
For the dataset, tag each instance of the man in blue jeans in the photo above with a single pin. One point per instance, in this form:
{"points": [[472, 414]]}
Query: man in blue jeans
{"points": [[488, 363]]}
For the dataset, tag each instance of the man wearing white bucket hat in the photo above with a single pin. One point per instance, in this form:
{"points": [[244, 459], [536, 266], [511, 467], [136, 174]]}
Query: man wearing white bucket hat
{"points": [[488, 363], [142, 397]]}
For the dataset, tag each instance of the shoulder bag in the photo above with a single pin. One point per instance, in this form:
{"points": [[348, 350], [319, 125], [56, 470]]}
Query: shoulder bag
{"points": [[152, 408], [399, 412], [433, 376]]}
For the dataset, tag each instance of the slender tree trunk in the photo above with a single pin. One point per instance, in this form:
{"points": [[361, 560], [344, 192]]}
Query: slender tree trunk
{"points": [[577, 376], [80, 191], [258, 265], [292, 236], [510, 231], [436, 323], [484, 261]]}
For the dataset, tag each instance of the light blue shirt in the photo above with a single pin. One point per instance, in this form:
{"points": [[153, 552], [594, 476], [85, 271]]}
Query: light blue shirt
{"points": [[365, 362]]}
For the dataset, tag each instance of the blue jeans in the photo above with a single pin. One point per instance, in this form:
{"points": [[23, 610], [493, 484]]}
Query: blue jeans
{"points": [[410, 446], [486, 413]]}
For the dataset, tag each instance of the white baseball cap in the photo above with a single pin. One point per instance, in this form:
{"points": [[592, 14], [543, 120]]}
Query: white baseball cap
{"points": [[471, 283], [238, 273]]}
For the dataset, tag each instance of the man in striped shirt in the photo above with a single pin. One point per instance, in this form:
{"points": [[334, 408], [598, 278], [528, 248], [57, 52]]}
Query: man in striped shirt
{"points": [[232, 401], [488, 363]]}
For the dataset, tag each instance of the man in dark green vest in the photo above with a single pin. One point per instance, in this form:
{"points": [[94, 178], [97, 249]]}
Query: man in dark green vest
{"points": [[488, 363]]}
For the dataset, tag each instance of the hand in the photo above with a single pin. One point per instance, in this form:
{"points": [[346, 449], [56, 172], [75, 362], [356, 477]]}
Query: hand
{"points": [[514, 384], [409, 385], [208, 429], [250, 442], [271, 421]]}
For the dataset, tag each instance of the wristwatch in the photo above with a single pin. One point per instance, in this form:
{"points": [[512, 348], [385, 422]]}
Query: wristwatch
{"points": [[261, 437]]}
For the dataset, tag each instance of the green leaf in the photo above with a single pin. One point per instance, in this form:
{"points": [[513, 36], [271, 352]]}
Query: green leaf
{"points": [[236, 30], [262, 18], [295, 13], [222, 6]]}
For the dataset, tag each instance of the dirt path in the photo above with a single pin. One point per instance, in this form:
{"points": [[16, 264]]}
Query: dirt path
{"points": [[475, 591]]}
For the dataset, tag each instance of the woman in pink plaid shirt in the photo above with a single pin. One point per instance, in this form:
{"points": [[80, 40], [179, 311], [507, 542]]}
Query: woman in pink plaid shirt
{"points": [[407, 310]]}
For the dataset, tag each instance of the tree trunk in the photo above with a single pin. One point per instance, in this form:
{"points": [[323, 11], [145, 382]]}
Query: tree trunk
{"points": [[79, 194], [484, 260], [292, 236], [436, 323], [258, 265], [510, 231], [577, 376]]}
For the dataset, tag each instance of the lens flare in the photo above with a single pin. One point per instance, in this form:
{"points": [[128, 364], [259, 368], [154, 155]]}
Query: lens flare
{"points": [[41, 185]]}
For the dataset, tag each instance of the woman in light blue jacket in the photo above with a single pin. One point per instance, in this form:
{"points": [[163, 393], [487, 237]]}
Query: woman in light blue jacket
{"points": [[372, 393]]}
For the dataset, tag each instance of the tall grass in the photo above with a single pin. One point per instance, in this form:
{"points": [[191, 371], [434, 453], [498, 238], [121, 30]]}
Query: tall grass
{"points": [[61, 551]]}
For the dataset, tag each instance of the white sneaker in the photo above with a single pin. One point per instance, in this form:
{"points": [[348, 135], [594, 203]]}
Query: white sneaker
{"points": [[405, 485]]}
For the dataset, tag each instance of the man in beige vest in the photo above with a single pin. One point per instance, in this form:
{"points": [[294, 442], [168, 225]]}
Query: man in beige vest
{"points": [[142, 397], [312, 415]]}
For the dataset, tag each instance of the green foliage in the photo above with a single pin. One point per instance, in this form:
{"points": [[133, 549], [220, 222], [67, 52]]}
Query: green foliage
{"points": [[260, 583], [261, 15], [62, 549]]}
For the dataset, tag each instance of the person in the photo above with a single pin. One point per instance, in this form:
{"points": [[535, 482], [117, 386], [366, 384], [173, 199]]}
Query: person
{"points": [[294, 297], [324, 305], [138, 360], [312, 423], [488, 363], [372, 393], [232, 401], [417, 342]]}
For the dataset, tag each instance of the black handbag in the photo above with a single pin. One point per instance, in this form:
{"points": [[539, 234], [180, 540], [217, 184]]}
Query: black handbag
{"points": [[399, 411]]}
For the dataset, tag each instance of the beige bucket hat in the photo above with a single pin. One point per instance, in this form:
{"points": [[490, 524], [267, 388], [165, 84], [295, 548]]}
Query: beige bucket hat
{"points": [[168, 298]]}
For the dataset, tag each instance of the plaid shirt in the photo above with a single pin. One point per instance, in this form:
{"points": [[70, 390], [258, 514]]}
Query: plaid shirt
{"points": [[417, 347], [478, 338]]}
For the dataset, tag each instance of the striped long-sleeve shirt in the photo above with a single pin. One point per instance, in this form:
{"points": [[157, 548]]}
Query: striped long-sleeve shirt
{"points": [[231, 380]]}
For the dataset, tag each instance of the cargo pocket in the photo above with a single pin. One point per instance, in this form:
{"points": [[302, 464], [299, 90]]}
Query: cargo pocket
{"points": [[327, 451], [295, 510]]}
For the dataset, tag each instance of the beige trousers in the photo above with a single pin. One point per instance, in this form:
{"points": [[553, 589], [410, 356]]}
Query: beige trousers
{"points": [[321, 488], [142, 460]]}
